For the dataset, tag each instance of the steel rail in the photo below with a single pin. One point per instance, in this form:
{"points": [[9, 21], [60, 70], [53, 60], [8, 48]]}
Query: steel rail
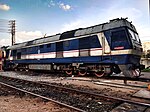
{"points": [[100, 95], [111, 84], [115, 85], [85, 92], [43, 97], [142, 79]]}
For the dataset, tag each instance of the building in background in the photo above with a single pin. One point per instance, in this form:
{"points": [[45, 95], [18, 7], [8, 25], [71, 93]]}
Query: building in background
{"points": [[146, 53]]}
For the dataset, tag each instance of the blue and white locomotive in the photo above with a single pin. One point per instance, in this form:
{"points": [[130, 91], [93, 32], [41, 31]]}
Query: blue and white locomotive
{"points": [[101, 50]]}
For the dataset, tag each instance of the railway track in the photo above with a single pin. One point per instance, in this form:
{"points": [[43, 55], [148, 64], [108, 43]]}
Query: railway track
{"points": [[42, 97], [112, 84], [112, 77], [95, 79], [142, 79], [74, 109], [75, 99]]}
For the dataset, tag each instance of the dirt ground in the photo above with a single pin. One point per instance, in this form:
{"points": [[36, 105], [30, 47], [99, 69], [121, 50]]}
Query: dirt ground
{"points": [[12, 101], [25, 104]]}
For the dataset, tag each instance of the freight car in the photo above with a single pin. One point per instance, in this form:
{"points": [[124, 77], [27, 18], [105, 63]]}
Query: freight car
{"points": [[101, 50]]}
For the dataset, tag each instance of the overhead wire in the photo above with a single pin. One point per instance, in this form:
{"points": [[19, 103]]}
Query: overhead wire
{"points": [[5, 26]]}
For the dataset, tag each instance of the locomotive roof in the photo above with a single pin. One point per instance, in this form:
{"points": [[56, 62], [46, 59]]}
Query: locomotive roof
{"points": [[115, 23]]}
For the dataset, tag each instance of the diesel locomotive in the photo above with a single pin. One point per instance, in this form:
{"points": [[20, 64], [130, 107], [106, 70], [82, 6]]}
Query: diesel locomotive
{"points": [[103, 49]]}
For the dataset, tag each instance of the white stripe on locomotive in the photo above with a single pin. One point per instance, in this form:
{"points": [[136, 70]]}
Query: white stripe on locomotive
{"points": [[75, 53]]}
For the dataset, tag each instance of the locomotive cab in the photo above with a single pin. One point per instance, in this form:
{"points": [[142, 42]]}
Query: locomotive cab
{"points": [[128, 43], [120, 39]]}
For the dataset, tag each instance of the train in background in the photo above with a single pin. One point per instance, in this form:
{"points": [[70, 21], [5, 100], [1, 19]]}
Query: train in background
{"points": [[2, 58], [100, 50]]}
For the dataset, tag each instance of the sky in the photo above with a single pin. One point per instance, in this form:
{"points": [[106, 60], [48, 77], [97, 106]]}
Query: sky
{"points": [[36, 18]]}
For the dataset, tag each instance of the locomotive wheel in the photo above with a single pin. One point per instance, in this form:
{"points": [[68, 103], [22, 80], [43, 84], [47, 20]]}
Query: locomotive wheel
{"points": [[100, 73], [82, 73], [69, 72]]}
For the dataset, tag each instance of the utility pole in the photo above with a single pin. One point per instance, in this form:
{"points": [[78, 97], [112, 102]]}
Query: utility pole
{"points": [[12, 31]]}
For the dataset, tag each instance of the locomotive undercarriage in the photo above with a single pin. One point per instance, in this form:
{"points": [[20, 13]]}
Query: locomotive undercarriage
{"points": [[79, 69], [101, 70], [82, 69], [85, 69]]}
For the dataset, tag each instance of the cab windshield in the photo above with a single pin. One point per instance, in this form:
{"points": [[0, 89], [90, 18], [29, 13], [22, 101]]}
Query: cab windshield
{"points": [[134, 36]]}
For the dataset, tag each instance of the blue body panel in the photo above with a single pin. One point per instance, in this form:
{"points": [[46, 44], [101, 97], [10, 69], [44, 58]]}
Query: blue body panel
{"points": [[117, 59], [71, 45]]}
